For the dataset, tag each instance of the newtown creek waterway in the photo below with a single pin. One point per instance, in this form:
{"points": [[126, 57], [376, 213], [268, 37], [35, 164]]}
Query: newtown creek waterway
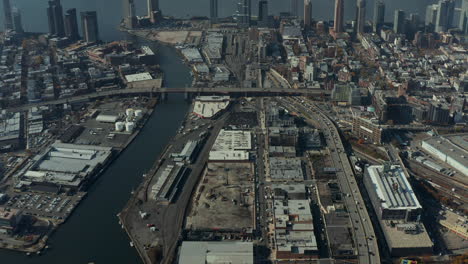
{"points": [[92, 233]]}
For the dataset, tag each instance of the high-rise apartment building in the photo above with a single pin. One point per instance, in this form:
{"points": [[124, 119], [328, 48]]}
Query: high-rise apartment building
{"points": [[307, 13], [71, 24], [55, 17], [263, 13], [7, 16], [361, 16], [214, 11], [339, 14], [399, 21], [90, 26], [17, 23], [445, 14], [379, 16]]}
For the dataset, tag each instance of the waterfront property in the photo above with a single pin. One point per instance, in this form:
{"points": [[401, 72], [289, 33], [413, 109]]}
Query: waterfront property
{"points": [[64, 166]]}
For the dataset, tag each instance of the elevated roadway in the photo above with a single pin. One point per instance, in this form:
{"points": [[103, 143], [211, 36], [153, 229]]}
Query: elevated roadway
{"points": [[364, 235], [234, 91]]}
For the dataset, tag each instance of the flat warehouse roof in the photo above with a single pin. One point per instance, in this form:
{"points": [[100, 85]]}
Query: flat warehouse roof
{"points": [[139, 77], [200, 252], [393, 188]]}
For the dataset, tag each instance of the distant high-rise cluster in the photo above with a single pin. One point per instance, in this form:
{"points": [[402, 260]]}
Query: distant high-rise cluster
{"points": [[8, 23], [244, 13], [379, 15], [130, 19], [17, 23], [153, 10], [361, 16], [339, 14], [214, 11], [295, 8], [263, 13], [440, 16], [90, 26], [12, 18], [55, 16], [71, 24], [463, 23], [67, 26], [445, 14], [399, 21], [307, 13]]}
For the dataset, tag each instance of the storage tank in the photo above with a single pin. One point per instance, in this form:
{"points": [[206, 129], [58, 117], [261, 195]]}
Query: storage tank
{"points": [[138, 114], [128, 119], [129, 126], [130, 112], [119, 126]]}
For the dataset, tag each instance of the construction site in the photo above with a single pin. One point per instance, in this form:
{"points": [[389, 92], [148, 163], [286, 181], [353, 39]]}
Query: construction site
{"points": [[224, 199]]}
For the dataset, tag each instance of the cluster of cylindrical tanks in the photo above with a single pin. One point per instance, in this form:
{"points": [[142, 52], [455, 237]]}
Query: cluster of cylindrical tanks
{"points": [[129, 124]]}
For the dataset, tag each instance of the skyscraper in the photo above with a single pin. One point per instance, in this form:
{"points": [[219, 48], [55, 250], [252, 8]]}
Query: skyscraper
{"points": [[399, 21], [214, 11], [263, 13], [17, 23], [307, 13], [129, 12], [361, 16], [244, 13], [445, 13], [55, 17], [8, 23], [153, 10], [89, 25], [71, 24], [379, 15], [463, 23], [431, 15], [295, 7], [339, 12]]}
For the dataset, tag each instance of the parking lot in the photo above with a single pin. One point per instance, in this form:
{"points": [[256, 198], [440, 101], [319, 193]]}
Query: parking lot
{"points": [[50, 206]]}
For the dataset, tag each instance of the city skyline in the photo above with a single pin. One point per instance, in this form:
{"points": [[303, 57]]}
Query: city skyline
{"points": [[133, 133]]}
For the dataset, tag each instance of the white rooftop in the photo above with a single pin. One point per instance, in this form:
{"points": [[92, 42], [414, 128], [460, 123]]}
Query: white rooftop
{"points": [[392, 188], [145, 76], [200, 252]]}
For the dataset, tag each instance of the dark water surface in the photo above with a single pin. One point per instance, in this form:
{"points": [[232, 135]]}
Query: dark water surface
{"points": [[92, 233]]}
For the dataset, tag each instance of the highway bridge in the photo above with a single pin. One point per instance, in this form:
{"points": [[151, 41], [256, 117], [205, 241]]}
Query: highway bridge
{"points": [[189, 92]]}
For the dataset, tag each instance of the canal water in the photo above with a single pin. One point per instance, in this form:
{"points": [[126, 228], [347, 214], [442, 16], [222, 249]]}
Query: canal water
{"points": [[92, 233]]}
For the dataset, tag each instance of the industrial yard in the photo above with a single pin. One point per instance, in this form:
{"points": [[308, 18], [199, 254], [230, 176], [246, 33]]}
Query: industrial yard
{"points": [[43, 187], [224, 200]]}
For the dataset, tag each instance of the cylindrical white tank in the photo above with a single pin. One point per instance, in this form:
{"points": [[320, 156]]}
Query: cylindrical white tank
{"points": [[119, 126], [130, 112], [138, 114], [129, 126]]}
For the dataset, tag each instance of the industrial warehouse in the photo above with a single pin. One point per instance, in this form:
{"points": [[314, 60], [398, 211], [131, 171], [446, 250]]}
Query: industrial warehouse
{"points": [[64, 166], [452, 150], [201, 252], [231, 146], [398, 210]]}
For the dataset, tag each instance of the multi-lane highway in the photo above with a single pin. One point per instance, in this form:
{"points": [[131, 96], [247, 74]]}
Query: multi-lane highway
{"points": [[364, 235]]}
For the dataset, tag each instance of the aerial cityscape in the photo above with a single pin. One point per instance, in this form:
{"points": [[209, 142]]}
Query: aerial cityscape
{"points": [[234, 131]]}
